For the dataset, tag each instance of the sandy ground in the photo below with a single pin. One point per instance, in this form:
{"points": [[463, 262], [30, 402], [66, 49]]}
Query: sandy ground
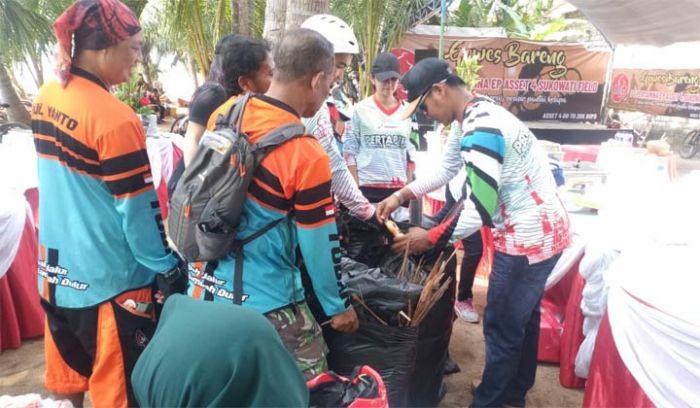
{"points": [[467, 349], [21, 370]]}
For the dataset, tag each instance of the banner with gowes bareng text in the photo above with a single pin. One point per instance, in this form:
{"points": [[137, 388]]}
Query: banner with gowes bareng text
{"points": [[534, 80], [657, 92]]}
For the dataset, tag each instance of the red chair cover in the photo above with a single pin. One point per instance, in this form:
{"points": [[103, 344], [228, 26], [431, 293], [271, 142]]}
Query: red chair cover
{"points": [[572, 336], [32, 196], [552, 320], [550, 333]]}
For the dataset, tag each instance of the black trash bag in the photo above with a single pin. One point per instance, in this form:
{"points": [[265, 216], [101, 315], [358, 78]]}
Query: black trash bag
{"points": [[434, 334], [331, 390], [391, 263], [329, 394], [369, 247], [363, 241], [386, 295], [391, 351]]}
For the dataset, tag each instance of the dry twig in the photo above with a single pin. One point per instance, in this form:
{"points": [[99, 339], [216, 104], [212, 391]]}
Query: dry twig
{"points": [[364, 305]]}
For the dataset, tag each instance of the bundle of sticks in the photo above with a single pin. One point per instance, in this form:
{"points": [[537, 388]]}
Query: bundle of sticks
{"points": [[433, 290], [434, 287]]}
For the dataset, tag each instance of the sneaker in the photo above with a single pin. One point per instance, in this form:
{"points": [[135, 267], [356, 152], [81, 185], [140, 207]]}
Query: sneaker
{"points": [[466, 311]]}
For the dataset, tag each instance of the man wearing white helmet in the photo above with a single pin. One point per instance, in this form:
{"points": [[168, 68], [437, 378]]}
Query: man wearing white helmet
{"points": [[345, 45]]}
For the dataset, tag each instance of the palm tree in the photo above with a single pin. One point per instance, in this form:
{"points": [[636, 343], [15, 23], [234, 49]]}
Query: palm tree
{"points": [[524, 20], [379, 25], [299, 10], [275, 18], [285, 15], [26, 33], [193, 27]]}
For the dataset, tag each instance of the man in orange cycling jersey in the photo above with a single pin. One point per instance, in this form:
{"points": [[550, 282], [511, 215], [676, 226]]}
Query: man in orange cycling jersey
{"points": [[102, 245], [293, 180]]}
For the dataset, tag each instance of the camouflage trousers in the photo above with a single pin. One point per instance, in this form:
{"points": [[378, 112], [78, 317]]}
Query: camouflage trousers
{"points": [[303, 338]]}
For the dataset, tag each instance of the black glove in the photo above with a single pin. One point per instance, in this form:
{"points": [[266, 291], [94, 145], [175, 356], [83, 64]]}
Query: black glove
{"points": [[173, 281]]}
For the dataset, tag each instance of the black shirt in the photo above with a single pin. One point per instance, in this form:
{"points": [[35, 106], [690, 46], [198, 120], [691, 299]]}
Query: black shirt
{"points": [[205, 100]]}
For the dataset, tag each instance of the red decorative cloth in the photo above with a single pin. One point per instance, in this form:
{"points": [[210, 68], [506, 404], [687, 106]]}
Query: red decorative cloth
{"points": [[550, 332], [572, 336], [587, 153], [610, 384], [21, 316], [552, 318]]}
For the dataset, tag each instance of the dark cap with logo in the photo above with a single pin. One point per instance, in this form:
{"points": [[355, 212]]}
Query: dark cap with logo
{"points": [[419, 79], [386, 66]]}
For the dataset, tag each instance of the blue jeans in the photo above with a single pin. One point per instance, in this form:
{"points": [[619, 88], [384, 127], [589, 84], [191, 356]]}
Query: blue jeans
{"points": [[512, 329]]}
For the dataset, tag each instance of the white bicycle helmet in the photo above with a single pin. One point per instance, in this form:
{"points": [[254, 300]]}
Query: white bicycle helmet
{"points": [[337, 31]]}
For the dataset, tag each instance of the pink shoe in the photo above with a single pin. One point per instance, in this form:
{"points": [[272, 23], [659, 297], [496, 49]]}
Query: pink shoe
{"points": [[466, 311]]}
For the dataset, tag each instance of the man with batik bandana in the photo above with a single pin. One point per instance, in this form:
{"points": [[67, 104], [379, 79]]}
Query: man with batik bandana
{"points": [[102, 246]]}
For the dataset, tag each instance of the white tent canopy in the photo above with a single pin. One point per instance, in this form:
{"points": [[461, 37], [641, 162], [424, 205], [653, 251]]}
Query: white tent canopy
{"points": [[676, 56], [646, 22]]}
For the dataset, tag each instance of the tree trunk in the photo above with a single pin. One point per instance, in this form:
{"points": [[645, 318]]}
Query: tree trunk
{"points": [[16, 112], [242, 16], [299, 10], [275, 16], [150, 67], [193, 71], [20, 91]]}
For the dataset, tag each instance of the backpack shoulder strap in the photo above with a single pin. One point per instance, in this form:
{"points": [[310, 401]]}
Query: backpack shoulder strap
{"points": [[234, 114], [238, 251], [280, 135]]}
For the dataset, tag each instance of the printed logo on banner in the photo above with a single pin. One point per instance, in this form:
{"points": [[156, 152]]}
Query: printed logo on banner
{"points": [[620, 88]]}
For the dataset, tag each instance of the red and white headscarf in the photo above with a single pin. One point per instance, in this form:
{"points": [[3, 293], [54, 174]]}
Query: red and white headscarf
{"points": [[91, 25]]}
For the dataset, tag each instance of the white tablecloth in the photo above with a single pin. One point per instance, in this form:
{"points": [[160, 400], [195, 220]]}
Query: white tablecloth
{"points": [[654, 311]]}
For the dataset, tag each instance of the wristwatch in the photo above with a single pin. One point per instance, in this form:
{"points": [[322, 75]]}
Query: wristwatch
{"points": [[397, 194]]}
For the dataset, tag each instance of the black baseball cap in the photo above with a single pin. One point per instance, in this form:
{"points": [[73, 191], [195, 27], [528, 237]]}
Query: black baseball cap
{"points": [[386, 66], [419, 79]]}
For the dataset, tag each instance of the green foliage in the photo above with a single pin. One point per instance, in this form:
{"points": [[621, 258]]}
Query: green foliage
{"points": [[136, 6], [258, 18], [378, 25], [523, 20], [192, 27], [131, 91], [23, 30], [468, 69]]}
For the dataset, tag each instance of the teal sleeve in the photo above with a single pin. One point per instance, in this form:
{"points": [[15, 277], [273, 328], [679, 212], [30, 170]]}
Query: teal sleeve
{"points": [[314, 214], [143, 229], [126, 172], [321, 253]]}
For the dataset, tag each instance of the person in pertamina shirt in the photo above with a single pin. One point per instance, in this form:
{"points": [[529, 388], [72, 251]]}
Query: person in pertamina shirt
{"points": [[377, 149]]}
